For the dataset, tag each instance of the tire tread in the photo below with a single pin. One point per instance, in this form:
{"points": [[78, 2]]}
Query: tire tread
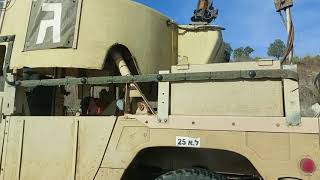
{"points": [[191, 174]]}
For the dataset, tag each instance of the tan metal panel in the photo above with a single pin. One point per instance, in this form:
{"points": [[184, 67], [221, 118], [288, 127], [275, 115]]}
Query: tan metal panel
{"points": [[241, 98], [253, 141], [163, 99], [112, 174], [292, 146], [10, 94], [200, 47], [125, 153], [94, 134], [12, 160], [48, 149], [2, 131], [233, 98], [56, 147], [229, 123], [2, 126], [102, 24], [255, 65], [5, 147], [131, 137]]}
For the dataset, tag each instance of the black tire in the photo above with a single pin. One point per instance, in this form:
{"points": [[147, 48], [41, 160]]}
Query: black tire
{"points": [[191, 174]]}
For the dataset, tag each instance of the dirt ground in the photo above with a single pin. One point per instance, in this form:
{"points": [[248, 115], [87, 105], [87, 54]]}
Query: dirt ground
{"points": [[309, 85]]}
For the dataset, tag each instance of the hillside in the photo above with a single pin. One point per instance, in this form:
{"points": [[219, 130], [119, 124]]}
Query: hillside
{"points": [[309, 74]]}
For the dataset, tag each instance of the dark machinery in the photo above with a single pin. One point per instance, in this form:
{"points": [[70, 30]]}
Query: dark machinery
{"points": [[205, 12]]}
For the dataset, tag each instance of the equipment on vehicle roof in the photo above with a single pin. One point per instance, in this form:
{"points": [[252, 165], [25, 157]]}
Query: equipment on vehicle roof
{"points": [[205, 12]]}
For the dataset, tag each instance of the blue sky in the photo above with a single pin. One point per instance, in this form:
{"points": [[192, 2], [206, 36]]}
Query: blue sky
{"points": [[253, 22]]}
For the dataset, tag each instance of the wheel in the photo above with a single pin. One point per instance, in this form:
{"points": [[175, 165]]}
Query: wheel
{"points": [[190, 174]]}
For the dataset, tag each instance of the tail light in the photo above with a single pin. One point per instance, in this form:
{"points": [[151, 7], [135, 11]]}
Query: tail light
{"points": [[307, 165]]}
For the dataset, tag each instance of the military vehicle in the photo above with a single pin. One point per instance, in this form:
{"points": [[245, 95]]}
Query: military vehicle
{"points": [[108, 90]]}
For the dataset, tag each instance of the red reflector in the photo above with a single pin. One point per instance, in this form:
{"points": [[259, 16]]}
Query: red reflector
{"points": [[307, 165]]}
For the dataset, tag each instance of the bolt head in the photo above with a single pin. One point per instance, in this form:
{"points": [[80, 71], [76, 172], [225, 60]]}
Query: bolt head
{"points": [[159, 77]]}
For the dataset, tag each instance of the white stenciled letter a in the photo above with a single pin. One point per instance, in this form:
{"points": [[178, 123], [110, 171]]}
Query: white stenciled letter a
{"points": [[55, 23]]}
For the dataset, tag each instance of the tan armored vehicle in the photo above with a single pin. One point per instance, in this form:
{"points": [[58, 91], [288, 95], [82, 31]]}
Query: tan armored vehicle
{"points": [[109, 90]]}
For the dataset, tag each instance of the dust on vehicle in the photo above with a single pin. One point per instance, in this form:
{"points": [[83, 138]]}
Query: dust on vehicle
{"points": [[107, 90]]}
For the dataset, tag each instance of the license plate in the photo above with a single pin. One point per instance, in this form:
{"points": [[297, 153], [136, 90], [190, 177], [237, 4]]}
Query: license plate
{"points": [[187, 142]]}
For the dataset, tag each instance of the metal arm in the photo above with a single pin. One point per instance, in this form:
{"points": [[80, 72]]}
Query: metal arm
{"points": [[205, 12], [285, 5]]}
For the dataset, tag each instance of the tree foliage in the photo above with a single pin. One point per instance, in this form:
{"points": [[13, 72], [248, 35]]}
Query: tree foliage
{"points": [[238, 53], [227, 51], [277, 49], [242, 53], [247, 51]]}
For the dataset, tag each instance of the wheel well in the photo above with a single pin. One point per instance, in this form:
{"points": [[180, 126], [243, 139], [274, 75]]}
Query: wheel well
{"points": [[128, 57], [152, 162]]}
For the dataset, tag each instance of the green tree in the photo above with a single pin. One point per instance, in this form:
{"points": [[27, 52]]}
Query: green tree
{"points": [[277, 49], [227, 51], [257, 58], [242, 54], [238, 53], [247, 51]]}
